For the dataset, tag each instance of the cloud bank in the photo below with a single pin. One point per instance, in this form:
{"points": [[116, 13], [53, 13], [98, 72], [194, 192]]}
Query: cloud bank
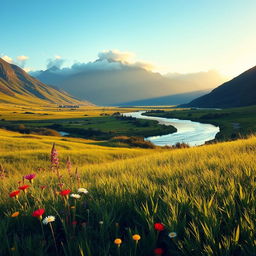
{"points": [[57, 62], [107, 60]]}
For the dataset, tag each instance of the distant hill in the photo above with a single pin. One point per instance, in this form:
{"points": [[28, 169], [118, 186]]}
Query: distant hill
{"points": [[110, 82], [238, 92], [175, 99], [18, 87]]}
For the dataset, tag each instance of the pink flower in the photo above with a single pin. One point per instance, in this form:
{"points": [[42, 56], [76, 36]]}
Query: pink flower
{"points": [[30, 177], [54, 156], [68, 165]]}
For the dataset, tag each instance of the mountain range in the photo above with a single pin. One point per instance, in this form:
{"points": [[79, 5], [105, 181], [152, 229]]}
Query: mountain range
{"points": [[175, 99], [112, 82], [238, 92], [18, 87]]}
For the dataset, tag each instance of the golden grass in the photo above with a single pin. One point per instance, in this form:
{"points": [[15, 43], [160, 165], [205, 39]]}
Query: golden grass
{"points": [[205, 194]]}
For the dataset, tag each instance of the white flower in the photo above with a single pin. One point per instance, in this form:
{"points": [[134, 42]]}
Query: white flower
{"points": [[48, 219], [101, 222], [76, 196], [172, 234], [83, 190]]}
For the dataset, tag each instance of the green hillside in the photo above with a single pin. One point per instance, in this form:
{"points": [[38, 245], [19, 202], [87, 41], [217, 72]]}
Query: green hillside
{"points": [[17, 87], [238, 92]]}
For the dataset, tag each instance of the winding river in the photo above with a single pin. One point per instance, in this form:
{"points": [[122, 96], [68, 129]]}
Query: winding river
{"points": [[192, 133]]}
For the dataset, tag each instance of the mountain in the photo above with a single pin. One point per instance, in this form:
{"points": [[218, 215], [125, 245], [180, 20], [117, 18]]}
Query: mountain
{"points": [[238, 92], [18, 87], [109, 82], [175, 99]]}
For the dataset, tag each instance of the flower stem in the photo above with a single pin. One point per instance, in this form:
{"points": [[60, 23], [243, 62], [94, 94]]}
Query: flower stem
{"points": [[54, 238]]}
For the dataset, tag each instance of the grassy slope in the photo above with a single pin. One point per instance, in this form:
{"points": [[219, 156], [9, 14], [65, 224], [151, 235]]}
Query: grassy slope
{"points": [[205, 194], [233, 122], [28, 152]]}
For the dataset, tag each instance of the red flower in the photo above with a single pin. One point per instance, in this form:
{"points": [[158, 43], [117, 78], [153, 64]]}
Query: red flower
{"points": [[65, 192], [14, 193], [38, 213], [158, 251], [74, 223], [24, 187], [159, 226]]}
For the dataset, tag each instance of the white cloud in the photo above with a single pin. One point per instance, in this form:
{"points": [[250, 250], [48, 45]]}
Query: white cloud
{"points": [[7, 58], [57, 57], [22, 58], [116, 56], [27, 69], [126, 58], [57, 61]]}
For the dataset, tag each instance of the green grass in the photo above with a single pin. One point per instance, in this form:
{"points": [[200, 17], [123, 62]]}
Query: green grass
{"points": [[205, 194], [233, 122], [101, 127]]}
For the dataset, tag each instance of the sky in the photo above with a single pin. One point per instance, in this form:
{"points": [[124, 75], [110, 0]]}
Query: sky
{"points": [[182, 36]]}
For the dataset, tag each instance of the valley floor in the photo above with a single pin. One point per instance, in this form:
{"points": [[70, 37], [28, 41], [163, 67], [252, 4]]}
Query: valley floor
{"points": [[204, 195]]}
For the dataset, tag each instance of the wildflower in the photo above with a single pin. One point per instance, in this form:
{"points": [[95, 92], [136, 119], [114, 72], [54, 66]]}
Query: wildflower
{"points": [[14, 193], [83, 190], [48, 219], [61, 185], [118, 241], [172, 234], [24, 187], [54, 157], [30, 177], [158, 251], [15, 214], [43, 187], [13, 249], [101, 222], [38, 213], [68, 165], [72, 207], [159, 226], [136, 237], [74, 222], [65, 192], [76, 196]]}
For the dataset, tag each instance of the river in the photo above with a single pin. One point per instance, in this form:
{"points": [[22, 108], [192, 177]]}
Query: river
{"points": [[192, 133]]}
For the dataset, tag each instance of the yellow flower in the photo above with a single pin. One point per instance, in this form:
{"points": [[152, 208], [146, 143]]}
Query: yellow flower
{"points": [[15, 214], [118, 241], [136, 237]]}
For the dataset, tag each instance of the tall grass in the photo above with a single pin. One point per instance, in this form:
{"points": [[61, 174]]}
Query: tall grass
{"points": [[205, 194]]}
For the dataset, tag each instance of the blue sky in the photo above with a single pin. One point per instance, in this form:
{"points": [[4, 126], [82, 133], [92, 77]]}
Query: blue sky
{"points": [[175, 35]]}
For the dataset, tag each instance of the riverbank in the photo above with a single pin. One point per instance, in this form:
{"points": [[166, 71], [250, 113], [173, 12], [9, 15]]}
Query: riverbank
{"points": [[234, 122], [187, 131]]}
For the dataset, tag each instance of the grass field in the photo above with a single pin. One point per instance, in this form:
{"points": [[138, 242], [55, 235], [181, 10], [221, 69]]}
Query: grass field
{"points": [[85, 122], [233, 122], [204, 195]]}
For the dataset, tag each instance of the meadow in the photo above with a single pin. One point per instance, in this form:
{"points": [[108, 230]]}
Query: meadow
{"points": [[96, 123], [126, 201]]}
